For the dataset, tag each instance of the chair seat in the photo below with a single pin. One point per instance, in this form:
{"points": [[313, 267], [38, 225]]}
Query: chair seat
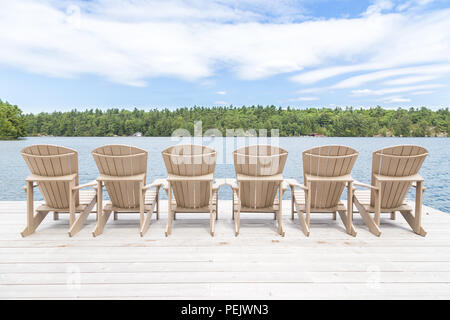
{"points": [[149, 201], [363, 197], [176, 208], [300, 204], [86, 197], [271, 209]]}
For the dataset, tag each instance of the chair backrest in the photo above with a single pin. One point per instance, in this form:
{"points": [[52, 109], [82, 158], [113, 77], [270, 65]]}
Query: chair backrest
{"points": [[328, 161], [397, 161], [120, 161], [190, 161], [259, 161], [53, 161]]}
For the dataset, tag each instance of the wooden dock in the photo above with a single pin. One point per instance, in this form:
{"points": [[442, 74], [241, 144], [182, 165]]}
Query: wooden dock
{"points": [[190, 264]]}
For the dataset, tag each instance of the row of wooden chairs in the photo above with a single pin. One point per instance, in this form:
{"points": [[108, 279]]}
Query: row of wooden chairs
{"points": [[190, 185]]}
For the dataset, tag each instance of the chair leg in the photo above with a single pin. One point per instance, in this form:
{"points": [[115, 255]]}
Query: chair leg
{"points": [[169, 223], [334, 215], [303, 223], [217, 208], [412, 222], [102, 219], [157, 206], [237, 222], [79, 222], [212, 219], [116, 215], [348, 226], [280, 224], [292, 205], [55, 216], [370, 223], [37, 219], [32, 220], [146, 224], [393, 215]]}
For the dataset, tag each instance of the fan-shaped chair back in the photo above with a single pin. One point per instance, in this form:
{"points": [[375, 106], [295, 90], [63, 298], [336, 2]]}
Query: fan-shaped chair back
{"points": [[259, 161], [53, 161], [397, 161], [190, 161], [328, 161], [121, 161]]}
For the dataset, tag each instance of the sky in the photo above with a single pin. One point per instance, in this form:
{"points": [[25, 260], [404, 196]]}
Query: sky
{"points": [[60, 55]]}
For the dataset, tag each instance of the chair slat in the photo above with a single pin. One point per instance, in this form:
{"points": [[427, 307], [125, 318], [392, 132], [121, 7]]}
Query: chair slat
{"points": [[327, 161], [122, 161], [397, 161], [190, 161], [53, 161]]}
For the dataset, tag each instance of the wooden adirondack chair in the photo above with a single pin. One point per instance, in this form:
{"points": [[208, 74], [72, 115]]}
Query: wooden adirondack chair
{"points": [[259, 185], [123, 171], [54, 170], [394, 169], [190, 178], [326, 172]]}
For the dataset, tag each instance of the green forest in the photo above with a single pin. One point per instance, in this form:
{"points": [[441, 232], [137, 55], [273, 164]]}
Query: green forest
{"points": [[343, 122], [12, 122]]}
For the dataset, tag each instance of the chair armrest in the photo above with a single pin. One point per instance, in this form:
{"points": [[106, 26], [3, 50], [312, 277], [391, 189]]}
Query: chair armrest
{"points": [[284, 186], [414, 177], [34, 186], [364, 185], [344, 178], [137, 178], [37, 178], [174, 178], [233, 184], [156, 183], [293, 183], [415, 186], [86, 185], [218, 183]]}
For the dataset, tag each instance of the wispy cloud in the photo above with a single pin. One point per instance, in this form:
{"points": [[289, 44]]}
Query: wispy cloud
{"points": [[131, 41], [379, 92], [378, 7], [220, 103], [419, 93], [410, 80], [221, 92], [304, 99], [396, 99], [429, 71]]}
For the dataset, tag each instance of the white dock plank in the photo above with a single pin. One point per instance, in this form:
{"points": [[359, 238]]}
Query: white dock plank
{"points": [[190, 264]]}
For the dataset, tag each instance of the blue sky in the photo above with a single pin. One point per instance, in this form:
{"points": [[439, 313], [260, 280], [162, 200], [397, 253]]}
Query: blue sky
{"points": [[60, 55]]}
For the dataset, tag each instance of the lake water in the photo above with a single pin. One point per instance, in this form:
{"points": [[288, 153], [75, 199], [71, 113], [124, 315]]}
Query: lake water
{"points": [[435, 170]]}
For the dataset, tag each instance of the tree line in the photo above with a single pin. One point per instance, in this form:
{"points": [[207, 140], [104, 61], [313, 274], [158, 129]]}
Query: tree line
{"points": [[343, 122], [12, 122]]}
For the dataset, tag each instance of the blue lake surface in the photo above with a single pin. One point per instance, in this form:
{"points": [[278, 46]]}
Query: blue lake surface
{"points": [[435, 169]]}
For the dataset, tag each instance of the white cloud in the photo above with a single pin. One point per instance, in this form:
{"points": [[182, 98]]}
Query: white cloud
{"points": [[396, 99], [408, 4], [410, 80], [378, 7], [311, 90], [418, 93], [304, 99], [379, 92], [131, 41], [221, 92], [362, 92], [356, 81], [220, 103]]}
